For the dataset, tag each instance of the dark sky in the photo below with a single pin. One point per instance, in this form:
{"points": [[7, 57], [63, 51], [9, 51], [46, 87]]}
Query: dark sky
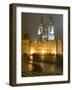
{"points": [[31, 22]]}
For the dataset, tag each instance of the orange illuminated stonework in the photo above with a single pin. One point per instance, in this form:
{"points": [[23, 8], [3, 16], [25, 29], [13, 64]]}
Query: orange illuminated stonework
{"points": [[42, 47]]}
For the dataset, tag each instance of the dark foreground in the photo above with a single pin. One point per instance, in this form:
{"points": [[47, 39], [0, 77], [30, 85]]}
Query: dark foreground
{"points": [[49, 65]]}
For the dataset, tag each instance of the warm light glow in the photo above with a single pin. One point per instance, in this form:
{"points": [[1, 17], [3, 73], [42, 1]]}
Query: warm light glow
{"points": [[31, 57], [35, 41], [43, 52], [32, 51], [54, 52]]}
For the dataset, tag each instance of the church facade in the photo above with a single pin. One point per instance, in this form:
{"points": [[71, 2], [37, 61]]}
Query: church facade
{"points": [[46, 43]]}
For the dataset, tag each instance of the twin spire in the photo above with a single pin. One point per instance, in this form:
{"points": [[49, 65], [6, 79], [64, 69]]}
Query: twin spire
{"points": [[46, 32]]}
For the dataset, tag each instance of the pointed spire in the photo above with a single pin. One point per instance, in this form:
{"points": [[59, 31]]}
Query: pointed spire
{"points": [[51, 35]]}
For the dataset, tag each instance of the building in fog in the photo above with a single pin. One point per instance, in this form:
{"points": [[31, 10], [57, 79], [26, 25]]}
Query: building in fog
{"points": [[46, 43]]}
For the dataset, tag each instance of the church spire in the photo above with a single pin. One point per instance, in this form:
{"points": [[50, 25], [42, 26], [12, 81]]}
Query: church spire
{"points": [[51, 35], [40, 29]]}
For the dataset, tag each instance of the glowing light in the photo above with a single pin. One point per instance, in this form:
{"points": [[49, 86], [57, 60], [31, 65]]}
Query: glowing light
{"points": [[32, 51], [43, 52], [35, 41], [31, 57], [54, 52]]}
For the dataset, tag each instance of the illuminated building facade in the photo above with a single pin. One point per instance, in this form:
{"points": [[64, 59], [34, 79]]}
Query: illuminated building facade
{"points": [[45, 42], [43, 47]]}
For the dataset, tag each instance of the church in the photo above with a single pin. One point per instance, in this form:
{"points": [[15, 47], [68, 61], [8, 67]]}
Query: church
{"points": [[46, 43]]}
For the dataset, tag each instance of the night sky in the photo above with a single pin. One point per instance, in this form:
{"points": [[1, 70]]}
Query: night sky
{"points": [[31, 22]]}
